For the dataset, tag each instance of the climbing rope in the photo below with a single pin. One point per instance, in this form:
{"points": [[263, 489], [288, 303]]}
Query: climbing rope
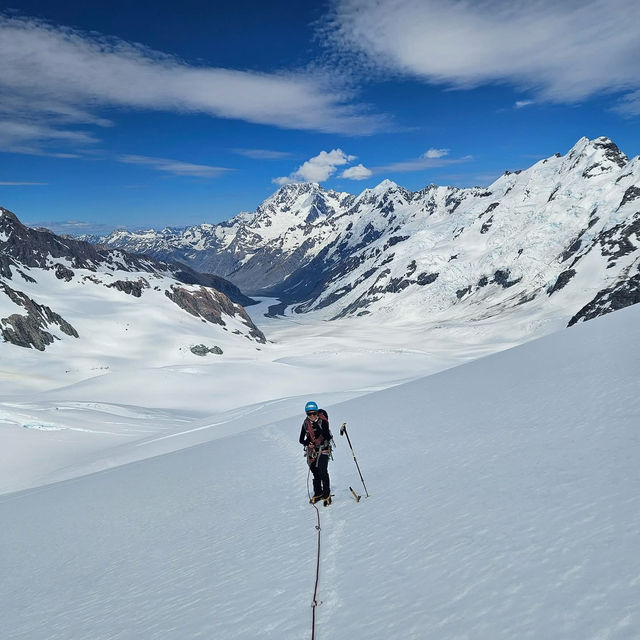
{"points": [[315, 602]]}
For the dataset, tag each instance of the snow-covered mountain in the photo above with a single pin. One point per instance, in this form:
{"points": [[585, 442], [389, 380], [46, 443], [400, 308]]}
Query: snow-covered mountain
{"points": [[57, 288], [259, 249], [563, 232]]}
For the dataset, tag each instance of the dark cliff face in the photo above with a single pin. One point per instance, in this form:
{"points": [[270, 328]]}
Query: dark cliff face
{"points": [[620, 295], [187, 275], [616, 243], [30, 330]]}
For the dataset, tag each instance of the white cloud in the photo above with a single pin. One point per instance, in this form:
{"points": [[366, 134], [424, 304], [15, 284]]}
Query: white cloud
{"points": [[436, 153], [176, 167], [59, 76], [523, 103], [357, 172], [319, 168], [564, 51]]}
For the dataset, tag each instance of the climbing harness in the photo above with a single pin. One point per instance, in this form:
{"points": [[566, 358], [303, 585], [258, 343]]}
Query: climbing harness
{"points": [[317, 445]]}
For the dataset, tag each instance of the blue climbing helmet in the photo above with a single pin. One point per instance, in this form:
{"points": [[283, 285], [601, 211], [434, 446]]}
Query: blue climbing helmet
{"points": [[310, 406]]}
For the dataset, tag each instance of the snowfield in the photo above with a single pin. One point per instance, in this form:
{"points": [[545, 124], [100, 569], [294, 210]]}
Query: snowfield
{"points": [[505, 493]]}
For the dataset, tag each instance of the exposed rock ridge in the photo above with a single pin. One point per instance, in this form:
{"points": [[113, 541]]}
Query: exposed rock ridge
{"points": [[30, 330]]}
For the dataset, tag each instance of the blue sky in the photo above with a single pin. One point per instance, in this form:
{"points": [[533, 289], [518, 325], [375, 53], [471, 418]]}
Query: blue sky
{"points": [[115, 114]]}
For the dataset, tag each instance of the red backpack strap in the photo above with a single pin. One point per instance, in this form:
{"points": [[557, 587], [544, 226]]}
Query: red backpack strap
{"points": [[315, 439]]}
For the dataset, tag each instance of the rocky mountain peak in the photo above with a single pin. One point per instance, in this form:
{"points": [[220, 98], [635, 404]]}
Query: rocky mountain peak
{"points": [[8, 219], [380, 192], [294, 190], [385, 185], [597, 156], [295, 204]]}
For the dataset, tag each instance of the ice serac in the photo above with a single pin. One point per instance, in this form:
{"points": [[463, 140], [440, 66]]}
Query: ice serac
{"points": [[40, 272], [562, 232]]}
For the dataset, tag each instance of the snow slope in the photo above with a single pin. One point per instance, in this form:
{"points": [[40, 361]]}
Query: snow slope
{"points": [[505, 503], [72, 410]]}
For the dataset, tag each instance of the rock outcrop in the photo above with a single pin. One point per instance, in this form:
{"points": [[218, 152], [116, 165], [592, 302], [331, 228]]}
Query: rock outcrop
{"points": [[30, 330], [203, 304]]}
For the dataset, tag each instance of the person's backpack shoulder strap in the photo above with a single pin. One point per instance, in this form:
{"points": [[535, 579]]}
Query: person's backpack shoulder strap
{"points": [[325, 415]]}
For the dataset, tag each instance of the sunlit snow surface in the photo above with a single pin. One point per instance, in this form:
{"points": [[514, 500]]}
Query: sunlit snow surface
{"points": [[505, 493], [124, 392]]}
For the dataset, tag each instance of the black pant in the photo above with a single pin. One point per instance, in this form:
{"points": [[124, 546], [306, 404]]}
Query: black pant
{"points": [[320, 469]]}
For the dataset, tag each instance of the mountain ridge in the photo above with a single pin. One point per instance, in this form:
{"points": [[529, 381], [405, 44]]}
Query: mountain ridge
{"points": [[529, 232]]}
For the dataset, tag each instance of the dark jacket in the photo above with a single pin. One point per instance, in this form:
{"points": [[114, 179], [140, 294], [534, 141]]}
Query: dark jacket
{"points": [[320, 427]]}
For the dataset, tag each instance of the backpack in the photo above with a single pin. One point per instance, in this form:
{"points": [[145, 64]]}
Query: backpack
{"points": [[325, 415], [315, 442]]}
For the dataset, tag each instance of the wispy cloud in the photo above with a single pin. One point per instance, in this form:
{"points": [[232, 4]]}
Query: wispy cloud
{"points": [[433, 158], [63, 77], [176, 167], [23, 134], [262, 154], [629, 105], [520, 104], [23, 184], [71, 227], [563, 51], [319, 168]]}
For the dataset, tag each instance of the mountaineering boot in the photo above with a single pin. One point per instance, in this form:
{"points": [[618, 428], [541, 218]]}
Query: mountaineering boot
{"points": [[327, 501], [315, 499]]}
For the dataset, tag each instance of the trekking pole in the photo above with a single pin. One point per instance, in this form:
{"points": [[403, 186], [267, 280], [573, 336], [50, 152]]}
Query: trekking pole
{"points": [[343, 432]]}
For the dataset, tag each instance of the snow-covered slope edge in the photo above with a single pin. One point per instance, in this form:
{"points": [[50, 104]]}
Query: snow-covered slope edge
{"points": [[505, 504]]}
